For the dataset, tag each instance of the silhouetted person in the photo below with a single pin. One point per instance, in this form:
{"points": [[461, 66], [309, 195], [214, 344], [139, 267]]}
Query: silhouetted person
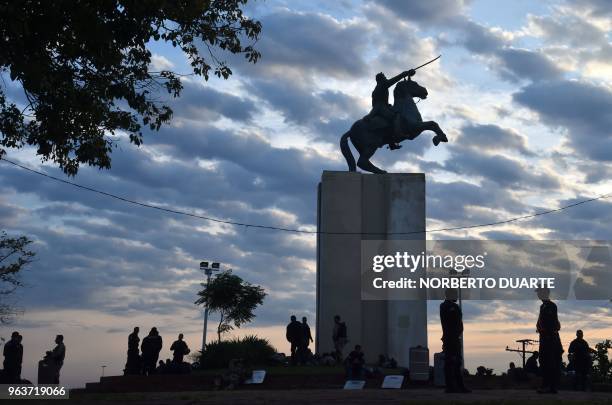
{"points": [[57, 356], [383, 115], [294, 336], [354, 364], [580, 356], [19, 340], [548, 327], [13, 356], [511, 370], [340, 337], [179, 349], [531, 365], [452, 328], [133, 364], [306, 339], [151, 346]]}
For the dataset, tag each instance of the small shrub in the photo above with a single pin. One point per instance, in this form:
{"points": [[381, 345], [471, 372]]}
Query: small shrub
{"points": [[253, 350]]}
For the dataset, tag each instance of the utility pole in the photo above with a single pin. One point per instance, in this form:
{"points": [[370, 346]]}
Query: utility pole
{"points": [[208, 270], [522, 351]]}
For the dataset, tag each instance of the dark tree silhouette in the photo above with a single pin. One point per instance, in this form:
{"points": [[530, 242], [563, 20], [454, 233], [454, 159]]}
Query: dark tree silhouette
{"points": [[13, 257], [232, 298], [602, 366], [83, 66]]}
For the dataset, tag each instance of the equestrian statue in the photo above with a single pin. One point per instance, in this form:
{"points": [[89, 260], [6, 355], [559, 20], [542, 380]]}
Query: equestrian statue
{"points": [[389, 124]]}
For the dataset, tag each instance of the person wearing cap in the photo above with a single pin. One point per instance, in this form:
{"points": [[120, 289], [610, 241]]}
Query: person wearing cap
{"points": [[551, 350], [451, 319]]}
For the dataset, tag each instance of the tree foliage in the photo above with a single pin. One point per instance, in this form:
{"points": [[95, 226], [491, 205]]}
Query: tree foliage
{"points": [[602, 365], [232, 298], [84, 67], [13, 257]]}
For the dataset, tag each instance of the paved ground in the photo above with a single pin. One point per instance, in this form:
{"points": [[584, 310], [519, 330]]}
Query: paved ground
{"points": [[372, 396]]}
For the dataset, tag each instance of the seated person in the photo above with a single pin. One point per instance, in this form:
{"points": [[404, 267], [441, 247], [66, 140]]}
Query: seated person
{"points": [[235, 375], [511, 370], [354, 364], [327, 359]]}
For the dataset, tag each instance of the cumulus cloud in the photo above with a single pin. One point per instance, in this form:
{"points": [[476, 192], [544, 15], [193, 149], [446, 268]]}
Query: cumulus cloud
{"points": [[317, 43], [492, 137], [506, 172], [204, 103], [511, 63], [424, 11], [584, 109]]}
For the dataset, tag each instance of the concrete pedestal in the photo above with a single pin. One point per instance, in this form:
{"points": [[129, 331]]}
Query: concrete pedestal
{"points": [[364, 205]]}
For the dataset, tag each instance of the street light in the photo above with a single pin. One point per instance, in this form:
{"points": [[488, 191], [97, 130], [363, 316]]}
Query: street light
{"points": [[208, 269]]}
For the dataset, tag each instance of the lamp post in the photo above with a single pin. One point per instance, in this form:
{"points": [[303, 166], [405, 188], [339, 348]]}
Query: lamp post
{"points": [[208, 270]]}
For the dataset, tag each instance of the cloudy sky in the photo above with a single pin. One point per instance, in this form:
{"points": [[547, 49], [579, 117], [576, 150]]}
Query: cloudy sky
{"points": [[523, 90]]}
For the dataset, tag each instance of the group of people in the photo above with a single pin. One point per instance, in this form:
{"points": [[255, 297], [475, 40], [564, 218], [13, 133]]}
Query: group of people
{"points": [[299, 336], [13, 360], [143, 361], [549, 355], [580, 362]]}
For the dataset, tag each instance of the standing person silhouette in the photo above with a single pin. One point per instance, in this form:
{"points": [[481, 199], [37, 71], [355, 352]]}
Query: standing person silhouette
{"points": [[151, 346], [551, 350], [179, 349], [132, 365], [451, 319], [294, 336]]}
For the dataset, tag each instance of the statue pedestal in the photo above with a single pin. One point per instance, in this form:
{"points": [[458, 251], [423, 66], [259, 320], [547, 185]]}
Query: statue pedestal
{"points": [[357, 203]]}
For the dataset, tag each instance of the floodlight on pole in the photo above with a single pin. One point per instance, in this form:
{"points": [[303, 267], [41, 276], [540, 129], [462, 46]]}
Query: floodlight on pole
{"points": [[207, 268]]}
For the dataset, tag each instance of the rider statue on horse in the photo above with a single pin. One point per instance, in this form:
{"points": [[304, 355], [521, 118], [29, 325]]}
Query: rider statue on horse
{"points": [[383, 115], [389, 124]]}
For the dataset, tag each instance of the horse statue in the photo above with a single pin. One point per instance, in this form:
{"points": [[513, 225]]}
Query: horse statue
{"points": [[408, 125]]}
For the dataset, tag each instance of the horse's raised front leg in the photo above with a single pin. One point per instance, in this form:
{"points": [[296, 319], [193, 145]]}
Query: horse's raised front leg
{"points": [[433, 126], [364, 161]]}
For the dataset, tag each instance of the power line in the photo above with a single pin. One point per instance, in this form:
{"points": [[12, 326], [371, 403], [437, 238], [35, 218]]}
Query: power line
{"points": [[301, 231]]}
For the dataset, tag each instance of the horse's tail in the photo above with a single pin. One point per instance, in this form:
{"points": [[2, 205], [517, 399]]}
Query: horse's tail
{"points": [[346, 151]]}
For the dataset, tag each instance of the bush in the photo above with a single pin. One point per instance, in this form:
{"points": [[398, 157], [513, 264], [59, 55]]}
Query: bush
{"points": [[253, 350]]}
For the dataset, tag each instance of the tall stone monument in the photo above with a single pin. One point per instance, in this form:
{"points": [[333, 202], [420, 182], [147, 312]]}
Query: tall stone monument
{"points": [[353, 207]]}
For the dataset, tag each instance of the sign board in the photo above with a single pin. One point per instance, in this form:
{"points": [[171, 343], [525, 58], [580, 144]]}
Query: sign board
{"points": [[354, 385], [393, 381], [257, 377]]}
